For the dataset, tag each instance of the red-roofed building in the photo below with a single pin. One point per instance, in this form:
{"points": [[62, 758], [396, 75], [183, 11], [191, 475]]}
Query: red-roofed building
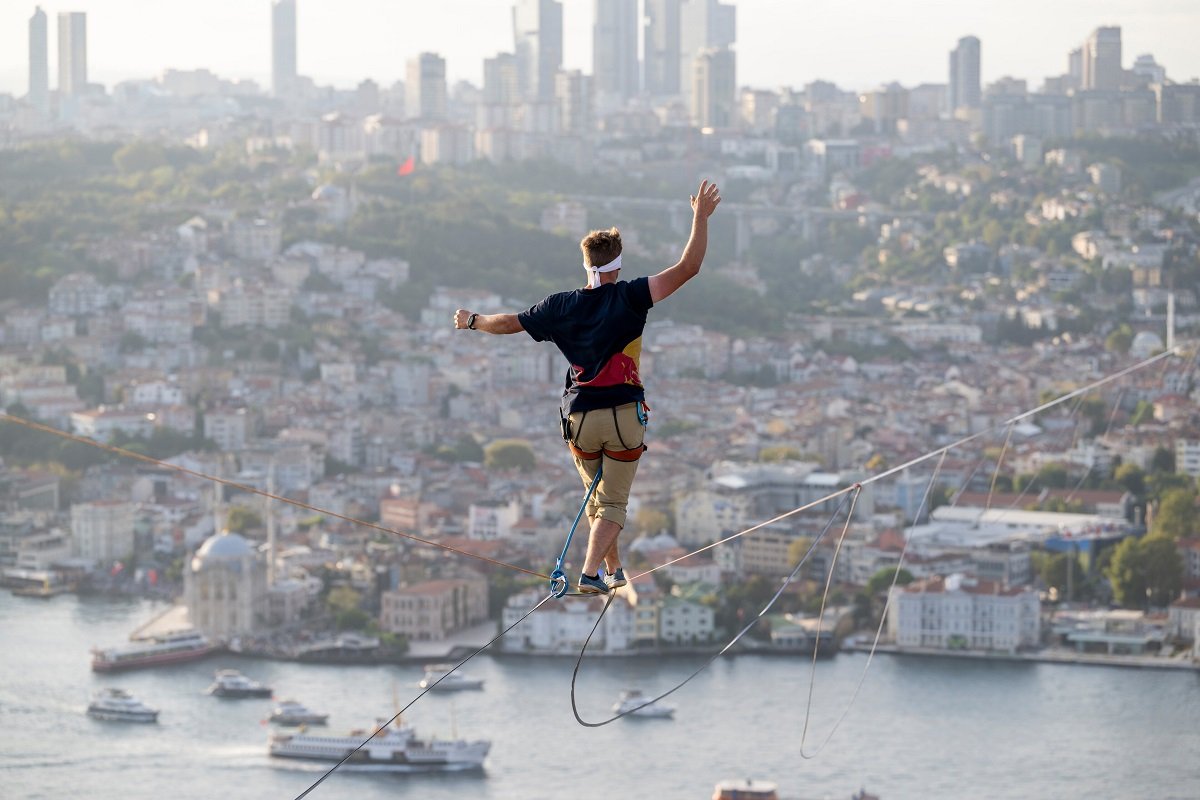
{"points": [[960, 613], [1182, 617], [433, 609]]}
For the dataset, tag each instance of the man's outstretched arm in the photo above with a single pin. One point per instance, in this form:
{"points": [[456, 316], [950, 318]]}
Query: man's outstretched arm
{"points": [[704, 203], [488, 323]]}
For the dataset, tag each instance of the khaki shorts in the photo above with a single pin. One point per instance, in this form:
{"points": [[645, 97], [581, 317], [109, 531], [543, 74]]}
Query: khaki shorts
{"points": [[612, 437]]}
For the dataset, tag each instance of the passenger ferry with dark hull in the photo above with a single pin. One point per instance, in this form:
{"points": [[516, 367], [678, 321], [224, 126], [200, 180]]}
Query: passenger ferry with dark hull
{"points": [[396, 749], [170, 648]]}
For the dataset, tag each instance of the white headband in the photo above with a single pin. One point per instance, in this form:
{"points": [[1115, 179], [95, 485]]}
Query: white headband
{"points": [[611, 266]]}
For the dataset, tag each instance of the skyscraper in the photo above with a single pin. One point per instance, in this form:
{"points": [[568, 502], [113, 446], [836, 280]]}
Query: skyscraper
{"points": [[703, 25], [714, 88], [283, 47], [39, 61], [661, 47], [425, 87], [538, 38], [964, 74], [573, 92], [72, 53], [615, 48], [500, 85], [1102, 60]]}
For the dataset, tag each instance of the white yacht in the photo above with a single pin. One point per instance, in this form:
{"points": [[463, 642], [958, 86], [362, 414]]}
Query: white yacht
{"points": [[291, 712], [635, 704], [450, 681], [119, 706], [231, 683], [396, 749]]}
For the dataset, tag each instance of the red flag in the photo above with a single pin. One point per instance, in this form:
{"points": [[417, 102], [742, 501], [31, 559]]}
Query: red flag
{"points": [[407, 167]]}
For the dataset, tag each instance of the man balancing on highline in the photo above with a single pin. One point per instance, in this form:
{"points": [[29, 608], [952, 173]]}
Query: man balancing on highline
{"points": [[599, 330]]}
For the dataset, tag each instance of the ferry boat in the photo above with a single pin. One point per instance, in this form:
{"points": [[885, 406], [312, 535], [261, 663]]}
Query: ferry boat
{"points": [[119, 706], [635, 704], [35, 582], [396, 749], [170, 648], [291, 712], [231, 683], [451, 682]]}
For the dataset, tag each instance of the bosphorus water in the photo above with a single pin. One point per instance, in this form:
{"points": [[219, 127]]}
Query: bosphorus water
{"points": [[920, 728]]}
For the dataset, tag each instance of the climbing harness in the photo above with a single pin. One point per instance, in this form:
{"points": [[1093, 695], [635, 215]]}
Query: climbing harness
{"points": [[558, 580]]}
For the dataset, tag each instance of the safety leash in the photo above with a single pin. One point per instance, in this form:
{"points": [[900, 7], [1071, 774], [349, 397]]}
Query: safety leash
{"points": [[558, 580]]}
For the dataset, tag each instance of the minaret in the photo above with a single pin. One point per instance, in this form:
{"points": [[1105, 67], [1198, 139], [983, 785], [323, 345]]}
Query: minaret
{"points": [[271, 525], [1170, 321]]}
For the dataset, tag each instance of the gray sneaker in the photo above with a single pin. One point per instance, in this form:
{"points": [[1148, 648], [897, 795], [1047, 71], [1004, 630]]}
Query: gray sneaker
{"points": [[617, 579], [592, 585]]}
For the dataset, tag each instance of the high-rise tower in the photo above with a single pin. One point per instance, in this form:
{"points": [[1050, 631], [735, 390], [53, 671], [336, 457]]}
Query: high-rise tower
{"points": [[538, 39], [283, 47], [72, 53], [1102, 60], [425, 87], [661, 47], [964, 74], [615, 48], [703, 25], [39, 61]]}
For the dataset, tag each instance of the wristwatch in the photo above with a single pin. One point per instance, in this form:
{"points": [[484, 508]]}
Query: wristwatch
{"points": [[471, 321]]}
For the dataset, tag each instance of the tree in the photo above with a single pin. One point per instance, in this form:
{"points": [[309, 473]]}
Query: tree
{"points": [[797, 549], [1120, 340], [1132, 478], [1145, 572], [1175, 517], [1163, 460], [1052, 476], [778, 452], [882, 580], [509, 454], [1057, 571], [241, 519], [342, 598]]}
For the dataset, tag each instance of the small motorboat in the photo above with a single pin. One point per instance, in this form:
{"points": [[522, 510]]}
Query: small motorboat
{"points": [[439, 678], [117, 705], [231, 683], [635, 704], [292, 713]]}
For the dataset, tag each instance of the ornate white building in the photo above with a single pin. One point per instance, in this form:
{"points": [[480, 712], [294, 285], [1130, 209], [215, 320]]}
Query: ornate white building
{"points": [[961, 613], [225, 587]]}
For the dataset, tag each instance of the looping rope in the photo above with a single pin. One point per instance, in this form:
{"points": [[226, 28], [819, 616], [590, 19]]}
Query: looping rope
{"points": [[723, 650]]}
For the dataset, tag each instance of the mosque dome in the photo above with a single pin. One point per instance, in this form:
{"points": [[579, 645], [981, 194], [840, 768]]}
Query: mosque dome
{"points": [[225, 547], [1145, 343]]}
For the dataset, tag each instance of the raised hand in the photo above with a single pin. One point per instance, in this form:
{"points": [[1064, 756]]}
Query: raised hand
{"points": [[706, 198]]}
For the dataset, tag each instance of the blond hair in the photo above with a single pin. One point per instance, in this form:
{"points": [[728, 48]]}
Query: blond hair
{"points": [[601, 247]]}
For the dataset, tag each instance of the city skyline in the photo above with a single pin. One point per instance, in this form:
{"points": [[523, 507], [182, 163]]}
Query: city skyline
{"points": [[857, 50]]}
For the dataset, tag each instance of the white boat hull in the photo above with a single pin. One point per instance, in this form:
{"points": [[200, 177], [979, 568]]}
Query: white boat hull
{"points": [[123, 716], [388, 754]]}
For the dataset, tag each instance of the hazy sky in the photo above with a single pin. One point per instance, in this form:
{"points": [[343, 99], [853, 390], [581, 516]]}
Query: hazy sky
{"points": [[855, 43]]}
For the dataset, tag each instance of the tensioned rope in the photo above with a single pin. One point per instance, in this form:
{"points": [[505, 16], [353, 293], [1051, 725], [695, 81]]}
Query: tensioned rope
{"points": [[121, 451], [380, 728], [924, 457]]}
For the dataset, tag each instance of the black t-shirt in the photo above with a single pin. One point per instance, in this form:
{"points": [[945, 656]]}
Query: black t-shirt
{"points": [[600, 332]]}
